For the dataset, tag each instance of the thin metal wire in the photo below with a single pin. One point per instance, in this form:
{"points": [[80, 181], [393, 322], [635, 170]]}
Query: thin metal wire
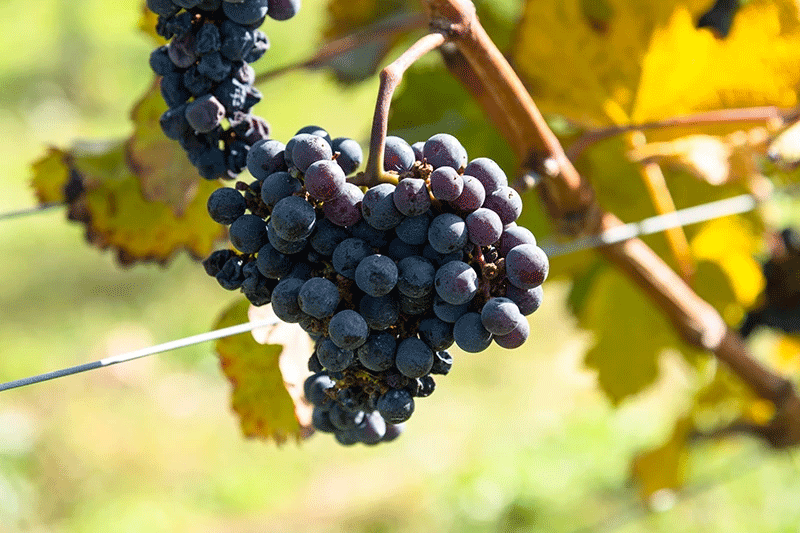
{"points": [[19, 213], [682, 217], [144, 352]]}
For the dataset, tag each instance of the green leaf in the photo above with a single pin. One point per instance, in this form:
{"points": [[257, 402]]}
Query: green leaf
{"points": [[259, 397]]}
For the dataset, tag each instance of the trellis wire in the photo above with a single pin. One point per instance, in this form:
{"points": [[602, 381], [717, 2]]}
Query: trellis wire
{"points": [[19, 213], [682, 217], [144, 352]]}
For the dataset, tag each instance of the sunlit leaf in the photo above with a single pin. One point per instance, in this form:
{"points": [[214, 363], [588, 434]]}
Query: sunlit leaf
{"points": [[663, 468], [259, 397]]}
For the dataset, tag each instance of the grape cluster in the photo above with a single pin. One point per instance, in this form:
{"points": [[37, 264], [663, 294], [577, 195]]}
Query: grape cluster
{"points": [[207, 80], [386, 278]]}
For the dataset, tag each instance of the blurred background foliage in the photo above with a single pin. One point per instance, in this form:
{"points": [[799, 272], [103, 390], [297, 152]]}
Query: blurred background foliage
{"points": [[526, 440]]}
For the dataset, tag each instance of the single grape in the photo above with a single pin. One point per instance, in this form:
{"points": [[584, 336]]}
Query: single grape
{"points": [[344, 419], [448, 312], [470, 335], [324, 179], [273, 264], [246, 12], [230, 276], [318, 297], [415, 276], [248, 233], [348, 255], [315, 387], [411, 197], [472, 197], [205, 113], [442, 363], [393, 431], [376, 275], [456, 282], [414, 358], [515, 338], [327, 236], [283, 9], [447, 233], [165, 8], [237, 41], [444, 150], [500, 315], [415, 306], [309, 149], [446, 184], [293, 218], [378, 207], [315, 130], [488, 173], [173, 122], [527, 300], [277, 186], [527, 266], [333, 358], [284, 300], [374, 237], [350, 154], [484, 227], [173, 91], [514, 236], [265, 158], [282, 245], [436, 333], [216, 68], [380, 313], [372, 430], [418, 148], [398, 155], [377, 354], [225, 205], [321, 421], [160, 63], [348, 329], [506, 202], [396, 406], [397, 250], [214, 262]]}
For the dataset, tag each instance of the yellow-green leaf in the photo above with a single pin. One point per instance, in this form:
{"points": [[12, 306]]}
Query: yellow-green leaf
{"points": [[663, 468], [259, 397], [647, 60]]}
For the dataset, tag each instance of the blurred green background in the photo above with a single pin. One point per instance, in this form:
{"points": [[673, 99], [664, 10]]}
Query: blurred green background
{"points": [[511, 441]]}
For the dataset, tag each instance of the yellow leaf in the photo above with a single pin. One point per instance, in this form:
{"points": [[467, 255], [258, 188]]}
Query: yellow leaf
{"points": [[50, 176], [259, 397], [648, 61], [705, 156], [786, 358], [731, 243], [664, 468], [630, 334]]}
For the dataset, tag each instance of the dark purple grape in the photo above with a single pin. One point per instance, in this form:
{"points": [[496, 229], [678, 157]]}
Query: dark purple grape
{"points": [[277, 186], [348, 329], [397, 250], [516, 338], [315, 130], [214, 262], [345, 209], [327, 237], [293, 218], [273, 264], [411, 197], [283, 9], [350, 154], [419, 148], [205, 113], [436, 333], [377, 354], [456, 283], [527, 300], [246, 12], [318, 297], [500, 315], [447, 233], [372, 430], [164, 8], [378, 207], [444, 150], [265, 157], [527, 266], [472, 197], [225, 205], [315, 387], [488, 173], [415, 276], [484, 227], [333, 358], [470, 335], [442, 363], [309, 149], [181, 51], [196, 83], [380, 313], [348, 255], [324, 179], [237, 41], [376, 275], [506, 202], [248, 233], [160, 61], [398, 156], [514, 236], [448, 312], [231, 275], [446, 184], [414, 358], [208, 39], [414, 230], [173, 122], [395, 406], [173, 90]]}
